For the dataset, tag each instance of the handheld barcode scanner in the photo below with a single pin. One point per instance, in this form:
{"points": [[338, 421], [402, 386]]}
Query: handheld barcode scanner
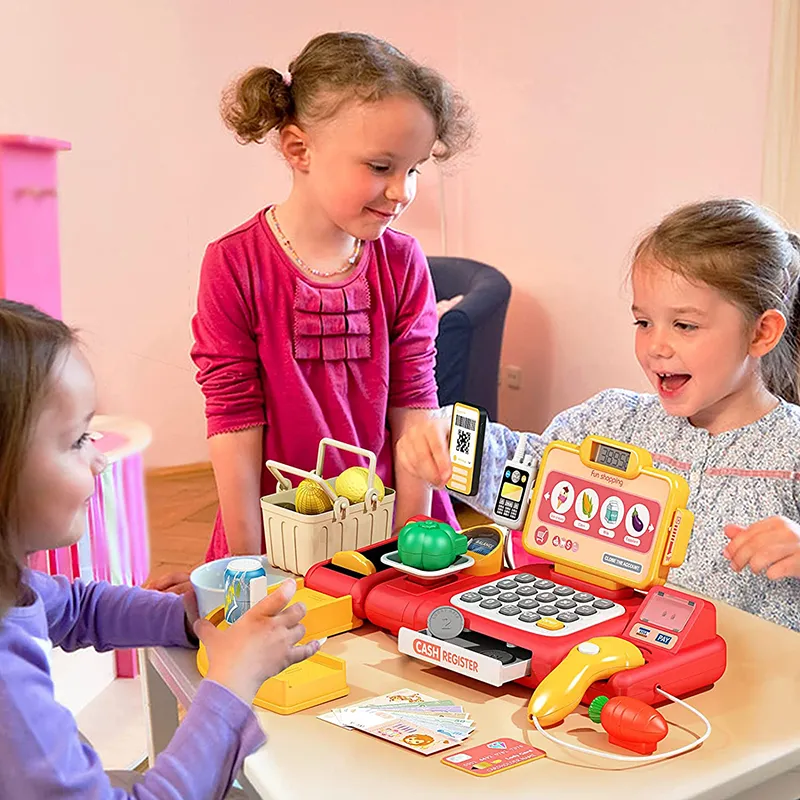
{"points": [[513, 499], [466, 448]]}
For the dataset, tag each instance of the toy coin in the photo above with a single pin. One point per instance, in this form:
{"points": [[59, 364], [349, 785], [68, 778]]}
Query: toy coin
{"points": [[445, 622]]}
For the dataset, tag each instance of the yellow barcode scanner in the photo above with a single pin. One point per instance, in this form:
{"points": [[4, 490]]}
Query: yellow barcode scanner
{"points": [[467, 427]]}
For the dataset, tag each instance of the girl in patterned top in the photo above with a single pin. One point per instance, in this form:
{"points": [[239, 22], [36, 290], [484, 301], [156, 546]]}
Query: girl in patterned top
{"points": [[717, 316]]}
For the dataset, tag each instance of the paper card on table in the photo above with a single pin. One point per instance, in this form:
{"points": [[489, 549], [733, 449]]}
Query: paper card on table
{"points": [[447, 729], [338, 716], [496, 756], [413, 737]]}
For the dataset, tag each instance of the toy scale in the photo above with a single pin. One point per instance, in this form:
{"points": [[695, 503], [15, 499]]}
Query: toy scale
{"points": [[595, 620]]}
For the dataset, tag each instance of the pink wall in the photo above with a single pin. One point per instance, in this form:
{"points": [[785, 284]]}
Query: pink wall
{"points": [[594, 119]]}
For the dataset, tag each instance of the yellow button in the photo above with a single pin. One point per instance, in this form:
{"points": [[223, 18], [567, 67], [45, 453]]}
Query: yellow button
{"points": [[550, 624]]}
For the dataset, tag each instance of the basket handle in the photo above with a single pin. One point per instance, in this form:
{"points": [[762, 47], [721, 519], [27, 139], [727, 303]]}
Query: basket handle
{"points": [[351, 448], [340, 504], [371, 496], [275, 468]]}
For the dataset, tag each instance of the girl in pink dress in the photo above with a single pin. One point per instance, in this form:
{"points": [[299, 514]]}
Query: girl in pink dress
{"points": [[314, 317]]}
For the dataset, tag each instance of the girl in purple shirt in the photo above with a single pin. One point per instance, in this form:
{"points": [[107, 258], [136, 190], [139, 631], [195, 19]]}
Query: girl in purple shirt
{"points": [[315, 318], [47, 470]]}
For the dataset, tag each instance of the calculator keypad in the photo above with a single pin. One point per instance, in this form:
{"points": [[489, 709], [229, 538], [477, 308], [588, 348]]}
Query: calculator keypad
{"points": [[537, 605]]}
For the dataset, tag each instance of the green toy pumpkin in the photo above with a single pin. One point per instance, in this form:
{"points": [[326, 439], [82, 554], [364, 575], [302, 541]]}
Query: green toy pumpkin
{"points": [[430, 545]]}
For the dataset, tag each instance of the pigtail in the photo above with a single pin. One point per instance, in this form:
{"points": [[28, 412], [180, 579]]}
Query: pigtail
{"points": [[258, 102]]}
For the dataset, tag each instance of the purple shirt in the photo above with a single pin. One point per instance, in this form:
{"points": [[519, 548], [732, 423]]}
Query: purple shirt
{"points": [[41, 755], [306, 360]]}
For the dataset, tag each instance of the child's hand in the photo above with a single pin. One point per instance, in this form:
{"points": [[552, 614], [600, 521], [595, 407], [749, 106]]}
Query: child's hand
{"points": [[423, 452], [443, 306], [771, 544], [177, 583], [260, 644]]}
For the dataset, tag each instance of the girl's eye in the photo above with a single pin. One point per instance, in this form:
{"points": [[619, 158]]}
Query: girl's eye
{"points": [[380, 168], [640, 323], [415, 171], [87, 437], [685, 326]]}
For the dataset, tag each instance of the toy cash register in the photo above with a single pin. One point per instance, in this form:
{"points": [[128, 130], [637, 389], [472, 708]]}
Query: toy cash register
{"points": [[595, 620]]}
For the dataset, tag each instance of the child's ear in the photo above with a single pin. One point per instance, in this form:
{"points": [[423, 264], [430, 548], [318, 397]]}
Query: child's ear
{"points": [[294, 146], [767, 332]]}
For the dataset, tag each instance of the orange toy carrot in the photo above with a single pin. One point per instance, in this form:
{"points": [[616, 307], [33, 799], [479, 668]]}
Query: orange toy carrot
{"points": [[629, 722]]}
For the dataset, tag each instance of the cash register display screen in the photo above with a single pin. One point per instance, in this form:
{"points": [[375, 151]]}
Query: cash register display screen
{"points": [[667, 612], [607, 456]]}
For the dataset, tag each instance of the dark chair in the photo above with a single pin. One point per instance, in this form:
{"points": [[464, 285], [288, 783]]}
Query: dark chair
{"points": [[471, 333]]}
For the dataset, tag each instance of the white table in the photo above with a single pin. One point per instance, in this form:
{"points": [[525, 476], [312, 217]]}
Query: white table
{"points": [[754, 710]]}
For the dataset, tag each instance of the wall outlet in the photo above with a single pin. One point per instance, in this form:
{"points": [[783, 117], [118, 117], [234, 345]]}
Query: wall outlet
{"points": [[513, 377]]}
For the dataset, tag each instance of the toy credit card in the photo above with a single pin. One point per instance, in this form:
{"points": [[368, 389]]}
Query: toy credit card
{"points": [[493, 757]]}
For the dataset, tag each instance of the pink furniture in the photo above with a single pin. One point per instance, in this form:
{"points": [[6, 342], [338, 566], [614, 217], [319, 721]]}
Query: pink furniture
{"points": [[29, 263], [116, 545]]}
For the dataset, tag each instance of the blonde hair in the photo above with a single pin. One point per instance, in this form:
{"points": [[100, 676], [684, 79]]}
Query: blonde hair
{"points": [[745, 253], [334, 68]]}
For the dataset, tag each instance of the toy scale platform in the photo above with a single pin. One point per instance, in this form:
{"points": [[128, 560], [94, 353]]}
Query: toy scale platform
{"points": [[320, 678]]}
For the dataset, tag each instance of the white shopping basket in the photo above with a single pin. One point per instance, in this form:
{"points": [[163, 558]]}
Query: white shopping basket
{"points": [[295, 542]]}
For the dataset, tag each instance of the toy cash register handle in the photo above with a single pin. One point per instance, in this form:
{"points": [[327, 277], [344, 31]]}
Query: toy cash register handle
{"points": [[561, 691]]}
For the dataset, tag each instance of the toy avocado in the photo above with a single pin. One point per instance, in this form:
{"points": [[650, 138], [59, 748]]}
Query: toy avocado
{"points": [[430, 545]]}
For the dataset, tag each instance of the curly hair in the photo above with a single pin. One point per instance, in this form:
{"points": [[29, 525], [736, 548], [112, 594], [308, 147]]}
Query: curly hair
{"points": [[332, 69]]}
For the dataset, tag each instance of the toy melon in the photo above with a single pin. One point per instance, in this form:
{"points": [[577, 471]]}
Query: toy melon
{"points": [[354, 482], [311, 498], [430, 545]]}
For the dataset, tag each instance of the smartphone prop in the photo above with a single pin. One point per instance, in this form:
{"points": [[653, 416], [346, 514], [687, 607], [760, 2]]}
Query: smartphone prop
{"points": [[466, 448]]}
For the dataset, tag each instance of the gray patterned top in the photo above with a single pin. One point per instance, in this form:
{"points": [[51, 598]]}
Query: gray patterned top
{"points": [[739, 476]]}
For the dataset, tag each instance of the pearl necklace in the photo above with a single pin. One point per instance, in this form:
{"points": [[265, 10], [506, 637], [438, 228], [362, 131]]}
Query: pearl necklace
{"points": [[302, 264]]}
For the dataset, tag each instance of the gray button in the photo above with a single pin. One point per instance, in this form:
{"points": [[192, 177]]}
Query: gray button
{"points": [[507, 583], [510, 611], [542, 584], [508, 597], [585, 611], [489, 591], [470, 597], [527, 602], [583, 597], [547, 611], [602, 604], [563, 591], [526, 591], [565, 603], [528, 616], [546, 597], [567, 616], [491, 603], [524, 577]]}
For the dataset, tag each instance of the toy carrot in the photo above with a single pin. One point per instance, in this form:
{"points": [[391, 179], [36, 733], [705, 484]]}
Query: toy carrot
{"points": [[629, 722]]}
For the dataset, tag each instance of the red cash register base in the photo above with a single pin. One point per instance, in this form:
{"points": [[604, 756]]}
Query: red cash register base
{"points": [[675, 633]]}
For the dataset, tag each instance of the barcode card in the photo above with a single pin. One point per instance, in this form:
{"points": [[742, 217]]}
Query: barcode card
{"points": [[466, 446]]}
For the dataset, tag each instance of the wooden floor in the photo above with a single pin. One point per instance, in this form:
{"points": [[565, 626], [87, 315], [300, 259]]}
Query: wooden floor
{"points": [[182, 508]]}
